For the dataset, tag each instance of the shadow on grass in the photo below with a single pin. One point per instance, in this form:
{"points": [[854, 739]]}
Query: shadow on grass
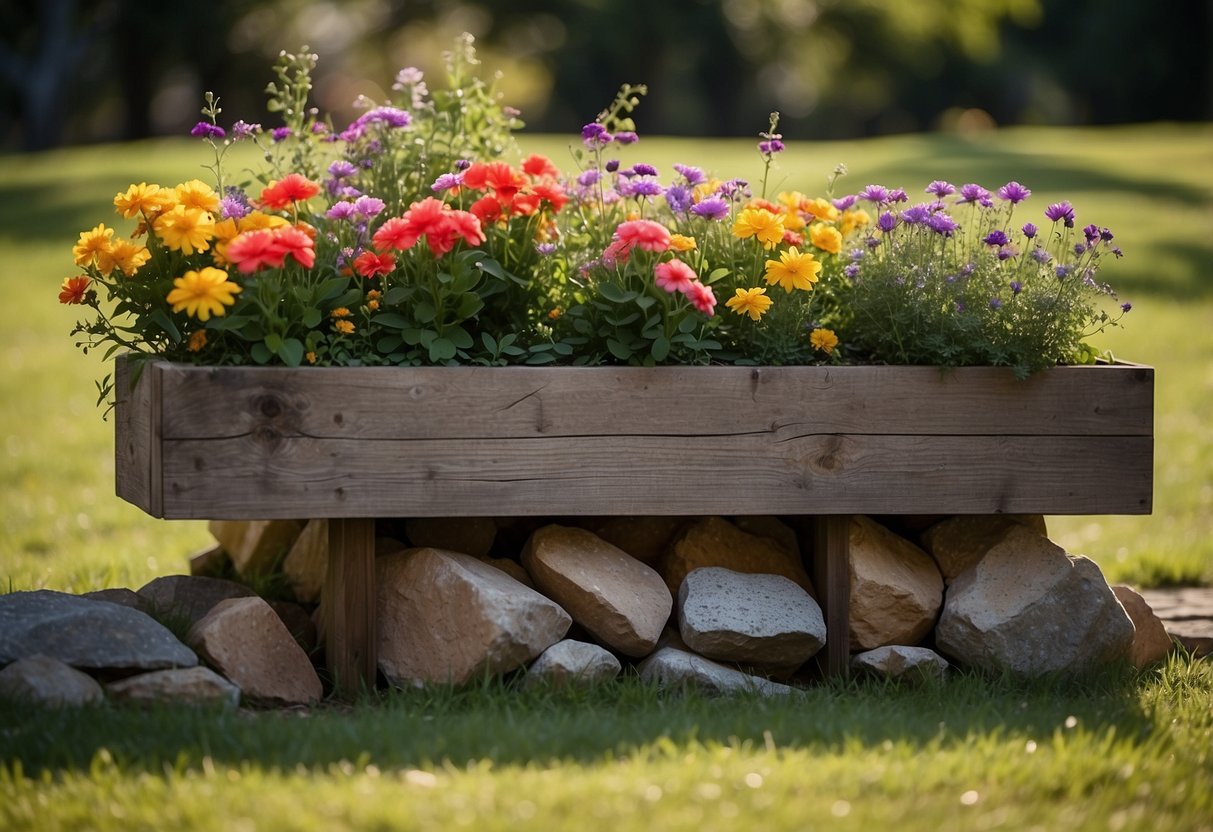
{"points": [[498, 722]]}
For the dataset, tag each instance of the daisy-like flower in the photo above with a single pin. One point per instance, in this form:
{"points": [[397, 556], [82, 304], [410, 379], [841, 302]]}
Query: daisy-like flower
{"points": [[369, 264], [185, 229], [825, 237], [766, 226], [681, 242], [793, 270], [93, 246], [674, 276], [128, 257], [143, 198], [1013, 193], [702, 298], [74, 289], [292, 188], [752, 302], [1061, 211], [197, 194], [643, 234], [343, 326], [824, 340], [203, 293]]}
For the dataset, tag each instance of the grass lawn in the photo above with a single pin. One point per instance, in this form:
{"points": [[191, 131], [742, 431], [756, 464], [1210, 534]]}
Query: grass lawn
{"points": [[967, 754]]}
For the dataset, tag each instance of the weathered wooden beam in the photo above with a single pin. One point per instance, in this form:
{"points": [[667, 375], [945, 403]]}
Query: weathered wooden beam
{"points": [[832, 579], [349, 602]]}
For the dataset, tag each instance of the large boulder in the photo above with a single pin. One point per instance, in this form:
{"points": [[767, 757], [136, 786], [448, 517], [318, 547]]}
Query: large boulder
{"points": [[896, 590], [93, 635], [448, 618], [957, 543], [246, 641], [1029, 608], [761, 620], [184, 686], [45, 681], [896, 661], [187, 598], [573, 663], [714, 541], [620, 601], [644, 537], [670, 667], [1151, 644]]}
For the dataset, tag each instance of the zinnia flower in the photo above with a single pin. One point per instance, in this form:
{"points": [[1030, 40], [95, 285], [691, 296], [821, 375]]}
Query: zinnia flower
{"points": [[74, 289], [825, 237], [793, 270], [713, 208], [702, 298], [972, 193], [681, 242], [294, 187], [129, 257], [143, 198], [197, 194], [674, 276], [197, 340], [185, 229], [760, 223], [824, 340], [644, 234], [343, 326], [203, 293], [370, 264], [93, 246], [752, 302]]}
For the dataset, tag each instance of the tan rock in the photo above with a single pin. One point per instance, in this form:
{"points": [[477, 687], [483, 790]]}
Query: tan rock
{"points": [[897, 661], [896, 589], [645, 538], [187, 598], [212, 562], [46, 681], [768, 526], [714, 541], [448, 618], [512, 568], [255, 546], [1151, 644], [959, 542], [621, 601], [185, 686], [246, 641], [576, 663], [307, 563], [468, 535], [298, 623]]}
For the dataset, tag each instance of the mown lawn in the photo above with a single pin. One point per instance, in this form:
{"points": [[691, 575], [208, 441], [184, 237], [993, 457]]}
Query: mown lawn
{"points": [[1120, 752]]}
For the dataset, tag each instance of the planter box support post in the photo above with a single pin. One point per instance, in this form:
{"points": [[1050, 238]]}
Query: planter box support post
{"points": [[350, 604], [832, 579]]}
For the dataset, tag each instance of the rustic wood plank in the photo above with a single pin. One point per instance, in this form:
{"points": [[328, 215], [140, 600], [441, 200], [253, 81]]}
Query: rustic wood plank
{"points": [[349, 604], [269, 476], [478, 402], [832, 578], [137, 446]]}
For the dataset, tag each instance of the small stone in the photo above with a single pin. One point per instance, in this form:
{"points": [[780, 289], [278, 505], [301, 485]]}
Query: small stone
{"points": [[187, 598], [1151, 644], [186, 686], [670, 667], [467, 535], [121, 596], [762, 620], [714, 541], [896, 589], [246, 642], [307, 563], [897, 661], [622, 602], [46, 681], [576, 663], [255, 547]]}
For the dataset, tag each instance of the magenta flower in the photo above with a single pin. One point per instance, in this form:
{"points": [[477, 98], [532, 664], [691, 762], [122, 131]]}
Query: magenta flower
{"points": [[1013, 193], [693, 176], [845, 203], [674, 276], [941, 189], [1061, 211], [206, 130], [702, 298], [972, 193], [713, 208], [875, 193], [595, 135]]}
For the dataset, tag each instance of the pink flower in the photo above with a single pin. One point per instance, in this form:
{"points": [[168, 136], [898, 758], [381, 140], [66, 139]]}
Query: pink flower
{"points": [[616, 253], [702, 298], [645, 234], [674, 276]]}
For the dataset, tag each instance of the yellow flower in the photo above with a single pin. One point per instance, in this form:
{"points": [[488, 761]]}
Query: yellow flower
{"points": [[705, 189], [198, 194], [225, 231], [824, 340], [555, 313], [93, 247], [681, 242], [372, 305], [825, 237], [820, 208], [760, 223], [793, 270], [143, 199], [855, 218], [185, 229], [340, 312], [345, 327], [753, 302], [129, 257], [203, 293], [310, 357], [258, 221], [197, 341]]}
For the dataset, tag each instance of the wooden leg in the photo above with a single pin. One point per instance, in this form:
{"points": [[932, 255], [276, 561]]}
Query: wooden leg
{"points": [[832, 577], [350, 605]]}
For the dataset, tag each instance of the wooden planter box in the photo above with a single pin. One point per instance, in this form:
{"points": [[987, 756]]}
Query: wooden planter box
{"points": [[353, 444]]}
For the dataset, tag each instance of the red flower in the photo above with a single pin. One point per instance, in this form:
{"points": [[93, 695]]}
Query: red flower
{"points": [[646, 234], [293, 187], [297, 243], [702, 298], [466, 225], [74, 289], [397, 233], [487, 209], [254, 250], [539, 166], [369, 264], [552, 194]]}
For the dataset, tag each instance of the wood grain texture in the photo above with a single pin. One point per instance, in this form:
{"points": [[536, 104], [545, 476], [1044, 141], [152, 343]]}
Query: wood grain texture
{"points": [[137, 463], [349, 606], [262, 443], [832, 577]]}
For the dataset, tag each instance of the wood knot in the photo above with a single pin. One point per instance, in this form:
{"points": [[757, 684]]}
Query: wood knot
{"points": [[269, 407]]}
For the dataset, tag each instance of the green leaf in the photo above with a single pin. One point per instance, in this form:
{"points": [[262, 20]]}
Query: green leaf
{"points": [[644, 302], [613, 293], [490, 343], [291, 352], [312, 318], [561, 348], [273, 343], [424, 312], [413, 336], [687, 325], [331, 288], [619, 349], [717, 274], [395, 295], [391, 320], [660, 349], [469, 305], [260, 353], [459, 336], [541, 358], [388, 343], [491, 267], [349, 298], [162, 320], [441, 349]]}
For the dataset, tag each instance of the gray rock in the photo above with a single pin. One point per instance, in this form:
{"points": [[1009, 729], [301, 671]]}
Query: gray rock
{"points": [[897, 661], [957, 543], [186, 686], [187, 598], [94, 635], [674, 668], [763, 620], [575, 663], [46, 681], [714, 541], [1028, 607], [121, 596]]}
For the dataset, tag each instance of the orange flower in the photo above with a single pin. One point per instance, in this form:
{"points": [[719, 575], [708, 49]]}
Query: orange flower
{"points": [[197, 341], [370, 264], [74, 289], [293, 187]]}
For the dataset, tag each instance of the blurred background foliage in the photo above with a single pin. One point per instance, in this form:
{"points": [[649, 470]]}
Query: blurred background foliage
{"points": [[80, 71]]}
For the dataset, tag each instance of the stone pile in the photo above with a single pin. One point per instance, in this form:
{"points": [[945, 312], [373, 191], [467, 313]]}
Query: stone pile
{"points": [[724, 605]]}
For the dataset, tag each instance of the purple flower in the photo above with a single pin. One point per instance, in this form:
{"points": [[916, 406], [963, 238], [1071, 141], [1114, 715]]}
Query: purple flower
{"points": [[1013, 193], [319, 128], [679, 198], [446, 182], [462, 164], [340, 169], [845, 203], [959, 307], [644, 170], [642, 187], [1029, 230], [941, 223], [714, 208], [693, 176], [206, 130], [1091, 232], [1007, 252], [595, 135], [244, 130], [887, 221], [612, 166], [898, 195], [279, 134], [1063, 271], [871, 242], [916, 215], [1062, 211], [340, 211], [996, 303], [1040, 255], [589, 177], [1126, 306], [1105, 235], [391, 116], [972, 193], [1116, 250], [545, 249], [735, 187], [851, 270], [857, 254], [234, 205], [1016, 287], [1080, 248], [995, 238], [941, 188], [967, 269], [769, 147], [875, 193], [368, 206], [626, 137]]}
